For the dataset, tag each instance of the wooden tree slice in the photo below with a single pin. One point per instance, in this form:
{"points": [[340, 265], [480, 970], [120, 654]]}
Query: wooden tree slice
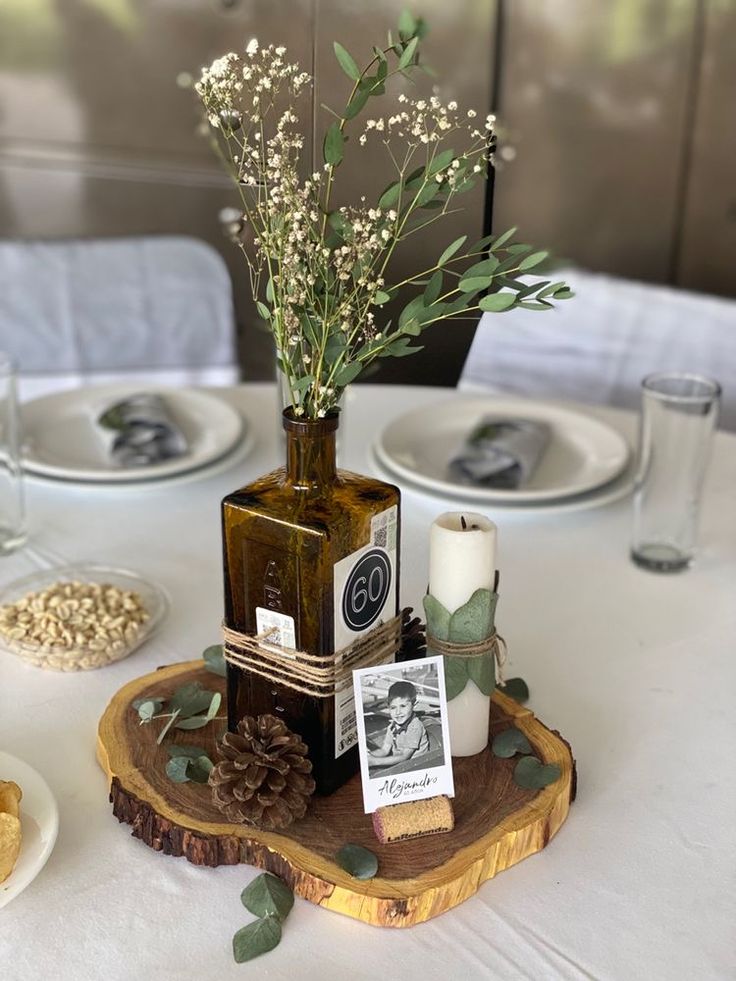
{"points": [[497, 823]]}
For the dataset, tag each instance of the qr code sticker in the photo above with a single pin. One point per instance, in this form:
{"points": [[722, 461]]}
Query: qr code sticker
{"points": [[380, 537]]}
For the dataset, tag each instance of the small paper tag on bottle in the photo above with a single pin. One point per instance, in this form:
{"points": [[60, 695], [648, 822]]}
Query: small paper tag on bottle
{"points": [[284, 633], [364, 596]]}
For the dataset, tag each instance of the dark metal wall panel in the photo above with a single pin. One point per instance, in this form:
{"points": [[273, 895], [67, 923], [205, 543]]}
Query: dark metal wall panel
{"points": [[97, 139], [707, 255], [459, 48], [595, 97]]}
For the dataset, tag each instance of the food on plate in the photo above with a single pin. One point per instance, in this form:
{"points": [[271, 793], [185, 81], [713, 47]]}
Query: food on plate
{"points": [[10, 834]]}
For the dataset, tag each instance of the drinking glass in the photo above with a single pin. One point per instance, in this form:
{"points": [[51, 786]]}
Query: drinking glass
{"points": [[678, 416]]}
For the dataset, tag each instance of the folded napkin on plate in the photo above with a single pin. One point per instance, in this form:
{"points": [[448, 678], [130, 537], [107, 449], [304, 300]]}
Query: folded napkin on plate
{"points": [[501, 453], [144, 432]]}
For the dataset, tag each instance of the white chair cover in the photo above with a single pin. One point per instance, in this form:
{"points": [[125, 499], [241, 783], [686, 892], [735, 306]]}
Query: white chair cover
{"points": [[157, 309], [598, 346]]}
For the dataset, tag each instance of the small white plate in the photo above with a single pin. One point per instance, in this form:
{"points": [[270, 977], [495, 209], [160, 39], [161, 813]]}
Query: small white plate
{"points": [[583, 453], [62, 441], [39, 821]]}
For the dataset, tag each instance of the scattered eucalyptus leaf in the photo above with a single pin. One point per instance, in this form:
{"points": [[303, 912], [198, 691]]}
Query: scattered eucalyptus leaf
{"points": [[214, 660], [517, 689], [267, 895], [357, 861], [199, 770], [176, 769], [481, 671], [533, 775], [256, 938], [190, 699], [438, 618], [456, 676], [510, 742], [193, 722], [147, 710]]}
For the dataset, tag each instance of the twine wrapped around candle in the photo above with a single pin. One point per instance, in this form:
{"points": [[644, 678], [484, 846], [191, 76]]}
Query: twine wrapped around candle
{"points": [[494, 644], [311, 674]]}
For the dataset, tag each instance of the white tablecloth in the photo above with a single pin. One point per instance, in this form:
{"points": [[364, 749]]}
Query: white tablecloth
{"points": [[635, 669]]}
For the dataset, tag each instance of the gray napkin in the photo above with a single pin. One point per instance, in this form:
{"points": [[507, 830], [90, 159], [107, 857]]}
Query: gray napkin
{"points": [[144, 431], [501, 453]]}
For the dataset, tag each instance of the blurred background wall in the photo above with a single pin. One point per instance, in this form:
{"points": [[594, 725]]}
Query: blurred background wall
{"points": [[619, 148]]}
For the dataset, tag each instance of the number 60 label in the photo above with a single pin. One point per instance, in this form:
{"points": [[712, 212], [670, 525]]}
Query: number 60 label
{"points": [[366, 589]]}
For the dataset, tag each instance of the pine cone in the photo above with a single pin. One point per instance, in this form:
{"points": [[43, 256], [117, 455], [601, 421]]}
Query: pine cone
{"points": [[264, 776]]}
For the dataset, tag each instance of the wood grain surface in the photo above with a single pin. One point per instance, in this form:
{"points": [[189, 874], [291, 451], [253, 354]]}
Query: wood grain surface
{"points": [[496, 823]]}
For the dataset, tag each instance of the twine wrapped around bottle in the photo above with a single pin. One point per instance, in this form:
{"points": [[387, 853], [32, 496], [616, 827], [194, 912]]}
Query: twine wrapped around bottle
{"points": [[311, 674]]}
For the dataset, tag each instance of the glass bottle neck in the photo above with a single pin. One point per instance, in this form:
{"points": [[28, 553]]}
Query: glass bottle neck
{"points": [[310, 452]]}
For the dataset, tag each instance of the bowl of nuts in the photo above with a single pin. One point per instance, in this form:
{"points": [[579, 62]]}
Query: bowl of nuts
{"points": [[79, 617]]}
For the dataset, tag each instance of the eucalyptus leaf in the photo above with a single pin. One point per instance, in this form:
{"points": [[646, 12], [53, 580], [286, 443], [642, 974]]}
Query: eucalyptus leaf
{"points": [[407, 24], [176, 769], [357, 861], [214, 706], [434, 288], [346, 61], [440, 162], [564, 294], [497, 302], [192, 722], [199, 770], [517, 689], [486, 267], [333, 145], [456, 675], [357, 102], [214, 660], [481, 670], [510, 742], [427, 194], [190, 699], [347, 373], [474, 283], [257, 938], [532, 260], [502, 239], [438, 618], [267, 895], [147, 710], [411, 311], [263, 310], [390, 196], [451, 250], [535, 305], [473, 621], [533, 775], [407, 56], [379, 298]]}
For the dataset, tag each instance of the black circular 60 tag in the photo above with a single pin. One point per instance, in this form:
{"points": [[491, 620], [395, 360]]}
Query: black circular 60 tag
{"points": [[366, 590]]}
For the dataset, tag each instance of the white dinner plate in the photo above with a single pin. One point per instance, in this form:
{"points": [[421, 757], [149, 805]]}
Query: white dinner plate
{"points": [[62, 441], [39, 821], [583, 453]]}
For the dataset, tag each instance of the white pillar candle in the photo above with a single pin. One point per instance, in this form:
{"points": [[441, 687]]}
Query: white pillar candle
{"points": [[462, 558]]}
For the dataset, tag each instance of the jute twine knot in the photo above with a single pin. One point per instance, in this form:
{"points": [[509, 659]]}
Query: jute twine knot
{"points": [[312, 674], [494, 645]]}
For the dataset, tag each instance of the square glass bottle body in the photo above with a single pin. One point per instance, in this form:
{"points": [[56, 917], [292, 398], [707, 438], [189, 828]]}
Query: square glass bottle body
{"points": [[314, 552]]}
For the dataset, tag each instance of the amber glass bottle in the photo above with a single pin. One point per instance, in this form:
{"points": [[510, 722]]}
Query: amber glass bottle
{"points": [[314, 552]]}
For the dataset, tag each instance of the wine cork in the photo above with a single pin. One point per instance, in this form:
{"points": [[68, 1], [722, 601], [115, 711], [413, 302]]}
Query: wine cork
{"points": [[397, 822]]}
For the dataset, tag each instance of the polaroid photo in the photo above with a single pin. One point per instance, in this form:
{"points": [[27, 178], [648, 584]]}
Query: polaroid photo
{"points": [[403, 733]]}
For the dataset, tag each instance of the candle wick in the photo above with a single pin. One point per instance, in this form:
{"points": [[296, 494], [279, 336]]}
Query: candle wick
{"points": [[463, 522], [474, 527]]}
